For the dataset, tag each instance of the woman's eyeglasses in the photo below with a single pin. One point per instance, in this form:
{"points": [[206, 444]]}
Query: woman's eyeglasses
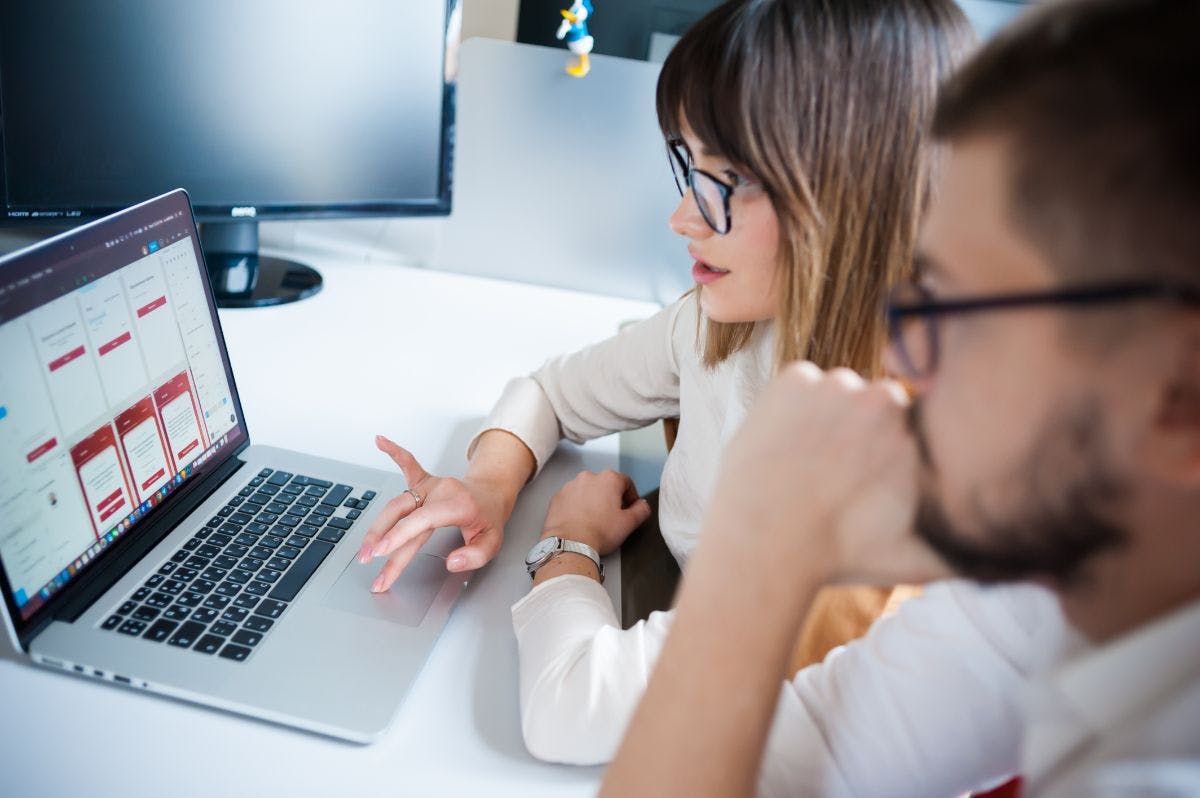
{"points": [[712, 194], [913, 313]]}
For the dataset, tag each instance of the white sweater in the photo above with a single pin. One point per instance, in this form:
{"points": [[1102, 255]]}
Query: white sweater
{"points": [[876, 707]]}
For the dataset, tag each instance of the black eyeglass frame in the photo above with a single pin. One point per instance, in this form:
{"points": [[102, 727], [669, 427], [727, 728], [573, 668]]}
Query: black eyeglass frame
{"points": [[929, 310], [675, 150]]}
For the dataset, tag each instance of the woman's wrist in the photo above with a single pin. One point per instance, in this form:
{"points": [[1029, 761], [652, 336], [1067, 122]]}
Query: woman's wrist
{"points": [[564, 563]]}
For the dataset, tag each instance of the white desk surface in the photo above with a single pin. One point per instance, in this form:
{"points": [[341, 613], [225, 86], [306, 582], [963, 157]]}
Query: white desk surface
{"points": [[418, 355]]}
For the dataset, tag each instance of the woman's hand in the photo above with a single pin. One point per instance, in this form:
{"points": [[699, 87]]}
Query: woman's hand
{"points": [[597, 509], [476, 508]]}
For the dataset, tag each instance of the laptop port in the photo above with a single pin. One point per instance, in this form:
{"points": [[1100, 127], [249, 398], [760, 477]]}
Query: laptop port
{"points": [[122, 679]]}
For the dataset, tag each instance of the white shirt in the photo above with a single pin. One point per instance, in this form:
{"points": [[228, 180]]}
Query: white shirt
{"points": [[651, 370], [1121, 719], [881, 700]]}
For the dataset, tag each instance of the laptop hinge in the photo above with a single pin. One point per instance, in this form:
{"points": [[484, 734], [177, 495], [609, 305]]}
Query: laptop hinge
{"points": [[108, 572]]}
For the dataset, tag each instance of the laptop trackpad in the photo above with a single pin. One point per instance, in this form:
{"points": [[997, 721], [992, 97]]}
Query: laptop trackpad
{"points": [[405, 603]]}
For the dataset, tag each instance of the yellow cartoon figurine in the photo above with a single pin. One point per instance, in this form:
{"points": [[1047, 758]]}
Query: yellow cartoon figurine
{"points": [[575, 30]]}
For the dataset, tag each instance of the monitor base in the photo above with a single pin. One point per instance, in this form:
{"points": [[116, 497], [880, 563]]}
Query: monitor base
{"points": [[242, 280]]}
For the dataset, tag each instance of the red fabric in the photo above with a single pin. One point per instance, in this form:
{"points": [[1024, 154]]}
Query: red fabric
{"points": [[1009, 789]]}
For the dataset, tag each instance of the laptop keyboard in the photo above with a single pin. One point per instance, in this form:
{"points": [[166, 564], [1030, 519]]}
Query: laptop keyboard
{"points": [[229, 583]]}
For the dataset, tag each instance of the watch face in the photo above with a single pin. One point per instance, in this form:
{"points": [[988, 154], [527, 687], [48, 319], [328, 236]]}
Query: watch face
{"points": [[544, 548]]}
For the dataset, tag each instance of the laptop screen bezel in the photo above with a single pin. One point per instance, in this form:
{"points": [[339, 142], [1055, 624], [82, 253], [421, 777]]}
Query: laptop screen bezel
{"points": [[52, 253]]}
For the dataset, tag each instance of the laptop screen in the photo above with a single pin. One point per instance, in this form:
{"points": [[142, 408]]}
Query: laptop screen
{"points": [[114, 390]]}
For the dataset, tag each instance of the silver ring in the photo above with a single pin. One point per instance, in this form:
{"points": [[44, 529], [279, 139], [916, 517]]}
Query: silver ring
{"points": [[416, 496]]}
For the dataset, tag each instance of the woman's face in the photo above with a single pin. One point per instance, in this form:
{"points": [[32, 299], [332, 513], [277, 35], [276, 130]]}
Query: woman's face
{"points": [[735, 271]]}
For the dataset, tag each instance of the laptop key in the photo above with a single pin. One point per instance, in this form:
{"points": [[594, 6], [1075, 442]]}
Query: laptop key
{"points": [[240, 518], [280, 478], [353, 514], [140, 593], [294, 489], [270, 608], [271, 541], [176, 613], [224, 562], [231, 528], [269, 575], [167, 568], [210, 549], [258, 588], [261, 553], [307, 530], [185, 574], [340, 523], [192, 543], [246, 637], [186, 635], [266, 518], [330, 534], [129, 606], [276, 508], [179, 556], [239, 576], [246, 491], [337, 495], [229, 589], [131, 627], [236, 550], [196, 561], [112, 622], [234, 652], [203, 533], [216, 602], [258, 499], [308, 562], [319, 483], [203, 585], [314, 490], [297, 541], [246, 539], [368, 495], [223, 628], [289, 552], [307, 501], [145, 613], [159, 630], [160, 600], [155, 579], [250, 564], [215, 521], [257, 623], [245, 601], [172, 587], [257, 481], [278, 564], [235, 614], [323, 510], [189, 599], [209, 644], [205, 615], [217, 539], [266, 472], [270, 490]]}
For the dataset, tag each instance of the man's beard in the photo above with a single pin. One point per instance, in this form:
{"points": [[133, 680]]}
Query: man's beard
{"points": [[1049, 536]]}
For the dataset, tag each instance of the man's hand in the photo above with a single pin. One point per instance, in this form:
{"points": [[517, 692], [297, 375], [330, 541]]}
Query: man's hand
{"points": [[819, 485], [826, 467], [597, 509]]}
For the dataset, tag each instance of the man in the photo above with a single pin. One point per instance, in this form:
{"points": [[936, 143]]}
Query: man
{"points": [[1054, 344]]}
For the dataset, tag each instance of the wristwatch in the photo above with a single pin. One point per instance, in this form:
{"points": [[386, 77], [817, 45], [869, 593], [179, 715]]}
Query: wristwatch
{"points": [[546, 548]]}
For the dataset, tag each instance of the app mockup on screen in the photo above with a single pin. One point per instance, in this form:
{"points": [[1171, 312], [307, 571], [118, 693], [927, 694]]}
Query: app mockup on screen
{"points": [[109, 391]]}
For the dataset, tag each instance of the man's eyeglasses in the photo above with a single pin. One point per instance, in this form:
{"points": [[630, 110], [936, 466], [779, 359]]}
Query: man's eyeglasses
{"points": [[712, 194], [913, 312]]}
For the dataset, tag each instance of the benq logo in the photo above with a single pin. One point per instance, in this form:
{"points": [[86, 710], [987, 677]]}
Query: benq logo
{"points": [[248, 210]]}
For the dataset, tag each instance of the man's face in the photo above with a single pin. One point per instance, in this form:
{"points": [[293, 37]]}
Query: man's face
{"points": [[1024, 441]]}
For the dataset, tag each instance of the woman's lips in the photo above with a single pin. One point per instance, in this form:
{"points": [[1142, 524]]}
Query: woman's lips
{"points": [[704, 274]]}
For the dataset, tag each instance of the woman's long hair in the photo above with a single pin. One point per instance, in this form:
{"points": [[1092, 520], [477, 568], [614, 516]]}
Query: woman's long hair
{"points": [[827, 103]]}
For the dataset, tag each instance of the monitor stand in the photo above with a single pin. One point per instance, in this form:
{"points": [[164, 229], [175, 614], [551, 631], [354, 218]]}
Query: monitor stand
{"points": [[241, 278]]}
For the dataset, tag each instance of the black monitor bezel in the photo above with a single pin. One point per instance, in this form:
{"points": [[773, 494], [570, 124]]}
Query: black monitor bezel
{"points": [[439, 206], [52, 252]]}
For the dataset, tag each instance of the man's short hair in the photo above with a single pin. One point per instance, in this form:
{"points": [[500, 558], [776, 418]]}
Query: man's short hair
{"points": [[1098, 104]]}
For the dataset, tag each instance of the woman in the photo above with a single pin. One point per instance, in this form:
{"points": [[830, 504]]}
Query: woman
{"points": [[796, 129]]}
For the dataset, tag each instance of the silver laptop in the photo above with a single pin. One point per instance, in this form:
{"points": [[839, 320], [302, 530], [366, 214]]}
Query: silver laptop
{"points": [[144, 542]]}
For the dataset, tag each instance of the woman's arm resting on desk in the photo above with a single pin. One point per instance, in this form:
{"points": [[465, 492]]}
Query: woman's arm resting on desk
{"points": [[480, 504]]}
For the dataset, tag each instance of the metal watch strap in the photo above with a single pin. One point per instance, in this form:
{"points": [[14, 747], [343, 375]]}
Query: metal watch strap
{"points": [[575, 547]]}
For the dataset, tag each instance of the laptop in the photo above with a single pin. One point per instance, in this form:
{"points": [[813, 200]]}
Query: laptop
{"points": [[144, 541]]}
